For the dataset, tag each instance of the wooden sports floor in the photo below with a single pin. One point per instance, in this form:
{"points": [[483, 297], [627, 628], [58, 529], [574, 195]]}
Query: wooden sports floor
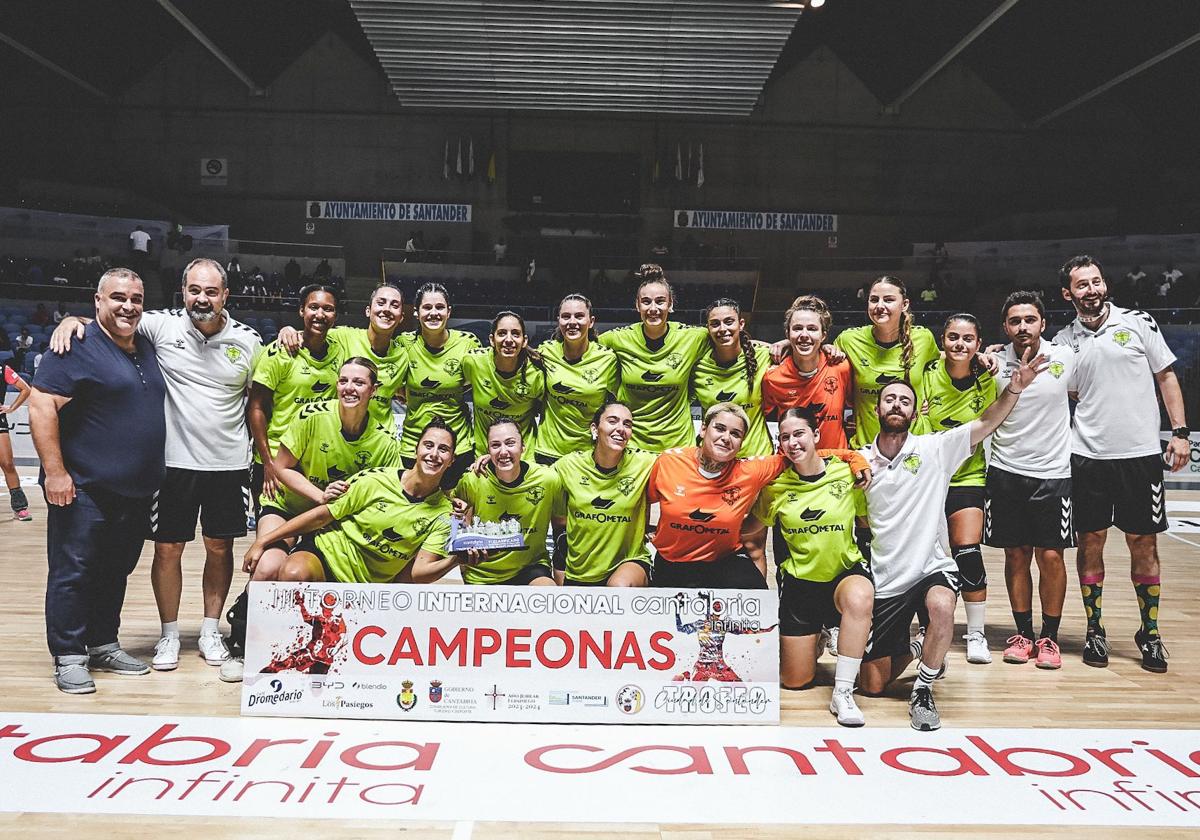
{"points": [[996, 695]]}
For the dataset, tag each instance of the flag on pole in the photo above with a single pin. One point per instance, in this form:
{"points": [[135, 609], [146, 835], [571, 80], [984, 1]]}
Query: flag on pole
{"points": [[689, 171], [458, 163], [446, 161], [678, 162], [491, 170], [471, 160], [700, 171]]}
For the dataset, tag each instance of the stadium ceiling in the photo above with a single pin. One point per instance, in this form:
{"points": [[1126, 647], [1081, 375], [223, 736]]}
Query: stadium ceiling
{"points": [[1134, 62], [677, 57]]}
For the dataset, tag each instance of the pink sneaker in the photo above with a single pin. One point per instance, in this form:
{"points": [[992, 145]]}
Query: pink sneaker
{"points": [[23, 515], [1019, 650], [1048, 656]]}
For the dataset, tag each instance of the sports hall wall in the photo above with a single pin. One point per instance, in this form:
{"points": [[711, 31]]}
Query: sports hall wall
{"points": [[955, 158]]}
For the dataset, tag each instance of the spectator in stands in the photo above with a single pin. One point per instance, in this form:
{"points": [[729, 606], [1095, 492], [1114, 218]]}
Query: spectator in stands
{"points": [[500, 250], [929, 294], [292, 273], [6, 345], [139, 248], [60, 313], [661, 251], [940, 254], [233, 273], [321, 273], [22, 345], [530, 271], [35, 277], [41, 316], [1128, 293], [1170, 277]]}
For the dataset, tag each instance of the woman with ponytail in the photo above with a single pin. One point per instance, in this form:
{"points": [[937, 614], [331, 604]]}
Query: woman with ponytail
{"points": [[731, 370], [957, 389], [506, 381], [889, 349], [581, 374], [656, 359]]}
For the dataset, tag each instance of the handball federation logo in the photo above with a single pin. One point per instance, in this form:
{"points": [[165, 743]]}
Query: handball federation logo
{"points": [[630, 699]]}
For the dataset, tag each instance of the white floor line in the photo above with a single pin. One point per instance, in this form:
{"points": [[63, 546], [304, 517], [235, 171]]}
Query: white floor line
{"points": [[1182, 540], [463, 829]]}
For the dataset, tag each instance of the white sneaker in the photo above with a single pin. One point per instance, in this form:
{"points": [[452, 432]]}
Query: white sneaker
{"points": [[831, 641], [212, 648], [166, 654], [843, 707], [232, 668], [977, 649]]}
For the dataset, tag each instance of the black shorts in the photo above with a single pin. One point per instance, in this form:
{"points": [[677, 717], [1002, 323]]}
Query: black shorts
{"points": [[222, 500], [457, 469], [3, 424], [1126, 492], [256, 484], [892, 617], [962, 498], [545, 460], [308, 543], [528, 575], [644, 564], [733, 571], [806, 606], [1021, 510]]}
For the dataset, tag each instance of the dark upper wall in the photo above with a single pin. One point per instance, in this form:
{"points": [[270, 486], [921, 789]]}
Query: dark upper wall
{"points": [[955, 157]]}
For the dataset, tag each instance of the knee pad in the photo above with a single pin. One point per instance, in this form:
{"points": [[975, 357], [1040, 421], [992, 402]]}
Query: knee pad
{"points": [[969, 559]]}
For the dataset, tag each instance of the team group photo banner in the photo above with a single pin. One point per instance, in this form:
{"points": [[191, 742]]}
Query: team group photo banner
{"points": [[387, 211], [511, 653], [770, 220]]}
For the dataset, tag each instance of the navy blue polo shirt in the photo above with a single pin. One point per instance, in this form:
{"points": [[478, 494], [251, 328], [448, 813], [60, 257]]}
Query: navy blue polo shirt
{"points": [[113, 431]]}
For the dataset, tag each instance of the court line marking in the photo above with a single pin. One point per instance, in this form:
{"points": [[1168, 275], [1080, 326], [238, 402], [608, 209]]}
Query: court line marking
{"points": [[463, 829], [1182, 540]]}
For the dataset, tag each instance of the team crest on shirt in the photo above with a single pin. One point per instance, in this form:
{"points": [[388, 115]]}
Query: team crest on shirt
{"points": [[452, 366], [535, 494], [830, 384], [673, 360], [589, 375], [1122, 337], [977, 403], [912, 463], [839, 489], [420, 525], [731, 495], [521, 389], [625, 485], [1056, 369], [233, 353], [361, 458]]}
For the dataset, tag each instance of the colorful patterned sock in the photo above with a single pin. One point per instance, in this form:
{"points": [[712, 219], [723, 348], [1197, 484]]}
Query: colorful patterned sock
{"points": [[1092, 588], [1148, 589]]}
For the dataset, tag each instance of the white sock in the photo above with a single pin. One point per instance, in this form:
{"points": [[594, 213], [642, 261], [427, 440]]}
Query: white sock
{"points": [[925, 676], [209, 625], [170, 628], [975, 613], [845, 673]]}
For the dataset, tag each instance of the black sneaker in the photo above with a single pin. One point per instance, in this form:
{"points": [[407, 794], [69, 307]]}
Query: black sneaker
{"points": [[1154, 652], [1095, 649]]}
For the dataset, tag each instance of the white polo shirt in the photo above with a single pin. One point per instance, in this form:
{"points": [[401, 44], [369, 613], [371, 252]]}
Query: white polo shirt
{"points": [[1117, 415], [1035, 439], [906, 505], [206, 382]]}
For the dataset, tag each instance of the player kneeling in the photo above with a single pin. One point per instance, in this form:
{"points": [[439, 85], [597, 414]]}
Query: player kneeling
{"points": [[507, 488], [823, 579]]}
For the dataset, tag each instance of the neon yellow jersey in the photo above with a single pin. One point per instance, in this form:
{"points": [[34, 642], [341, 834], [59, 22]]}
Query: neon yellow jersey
{"points": [[436, 387], [956, 403], [493, 394], [713, 383], [574, 393], [816, 519], [391, 368], [655, 378], [606, 512], [532, 499], [325, 455], [296, 381], [379, 528], [876, 366]]}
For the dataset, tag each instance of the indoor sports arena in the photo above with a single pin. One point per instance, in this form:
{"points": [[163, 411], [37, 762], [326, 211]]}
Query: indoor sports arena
{"points": [[533, 418]]}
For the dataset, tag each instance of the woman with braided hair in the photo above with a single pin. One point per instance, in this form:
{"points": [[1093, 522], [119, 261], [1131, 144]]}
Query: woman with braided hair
{"points": [[889, 349], [731, 370]]}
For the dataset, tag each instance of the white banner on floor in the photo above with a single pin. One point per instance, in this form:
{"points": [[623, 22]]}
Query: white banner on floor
{"points": [[241, 767], [512, 653]]}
